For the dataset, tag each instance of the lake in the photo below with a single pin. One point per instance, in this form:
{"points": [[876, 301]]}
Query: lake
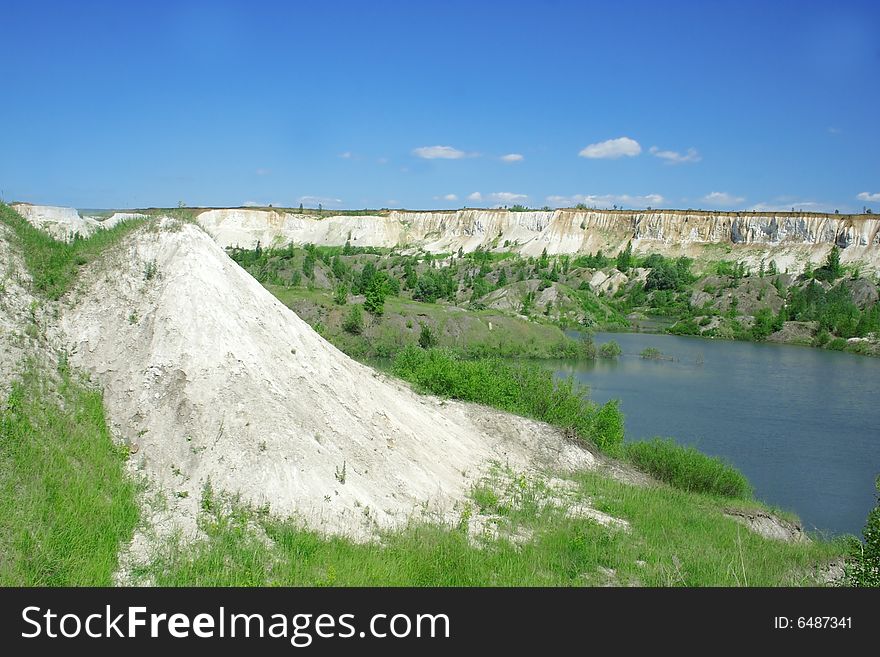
{"points": [[803, 424]]}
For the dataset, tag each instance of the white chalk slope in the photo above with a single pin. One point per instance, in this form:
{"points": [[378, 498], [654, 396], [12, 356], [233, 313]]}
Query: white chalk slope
{"points": [[65, 223], [211, 377]]}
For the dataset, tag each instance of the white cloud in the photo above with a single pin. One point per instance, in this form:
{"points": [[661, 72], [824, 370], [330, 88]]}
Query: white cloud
{"points": [[498, 198], [392, 202], [439, 153], [612, 149], [784, 206], [314, 201], [507, 197], [257, 204], [674, 157], [721, 198], [446, 197], [834, 131], [607, 200], [346, 155], [382, 160], [262, 172], [871, 198], [512, 157]]}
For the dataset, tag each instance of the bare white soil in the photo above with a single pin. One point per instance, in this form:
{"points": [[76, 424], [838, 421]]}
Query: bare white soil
{"points": [[209, 377]]}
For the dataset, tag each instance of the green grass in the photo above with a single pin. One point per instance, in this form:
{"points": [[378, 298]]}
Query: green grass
{"points": [[675, 539], [471, 333], [66, 505], [53, 265], [688, 469], [522, 388]]}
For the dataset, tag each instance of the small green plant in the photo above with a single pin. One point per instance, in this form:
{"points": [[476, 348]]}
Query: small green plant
{"points": [[340, 474], [340, 294], [151, 269], [207, 496], [610, 349], [651, 353], [427, 339]]}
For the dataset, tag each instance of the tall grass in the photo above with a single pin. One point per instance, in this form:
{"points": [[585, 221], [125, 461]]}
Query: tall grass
{"points": [[688, 469], [53, 264], [522, 388], [66, 504]]}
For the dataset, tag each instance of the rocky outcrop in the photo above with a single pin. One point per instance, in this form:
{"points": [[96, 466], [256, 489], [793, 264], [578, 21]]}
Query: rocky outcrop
{"points": [[790, 238], [65, 223]]}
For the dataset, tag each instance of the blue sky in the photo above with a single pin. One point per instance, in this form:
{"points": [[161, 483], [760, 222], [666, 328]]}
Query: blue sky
{"points": [[724, 105]]}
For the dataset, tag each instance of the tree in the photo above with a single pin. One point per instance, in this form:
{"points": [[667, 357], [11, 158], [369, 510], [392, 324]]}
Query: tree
{"points": [[502, 277], [338, 267], [354, 322], [300, 208], [363, 283], [624, 258], [410, 278], [309, 265], [832, 264], [374, 302]]}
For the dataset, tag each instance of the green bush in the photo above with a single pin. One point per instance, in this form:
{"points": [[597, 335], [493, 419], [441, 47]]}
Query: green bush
{"points": [[427, 339], [863, 565], [688, 469], [522, 388], [610, 350], [354, 322], [837, 344]]}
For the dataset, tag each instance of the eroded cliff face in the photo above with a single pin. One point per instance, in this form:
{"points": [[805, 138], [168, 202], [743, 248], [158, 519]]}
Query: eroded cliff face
{"points": [[791, 239]]}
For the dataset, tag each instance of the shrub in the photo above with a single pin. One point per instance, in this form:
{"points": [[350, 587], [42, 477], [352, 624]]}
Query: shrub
{"points": [[651, 353], [354, 321], [863, 565], [610, 350], [522, 388], [688, 469], [427, 338], [340, 294]]}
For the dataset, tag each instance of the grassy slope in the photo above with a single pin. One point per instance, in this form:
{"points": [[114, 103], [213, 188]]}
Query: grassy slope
{"points": [[66, 505], [675, 539], [54, 264], [473, 332]]}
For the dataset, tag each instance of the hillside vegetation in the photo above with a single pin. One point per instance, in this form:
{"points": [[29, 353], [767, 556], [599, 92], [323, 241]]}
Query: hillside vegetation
{"points": [[463, 297]]}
